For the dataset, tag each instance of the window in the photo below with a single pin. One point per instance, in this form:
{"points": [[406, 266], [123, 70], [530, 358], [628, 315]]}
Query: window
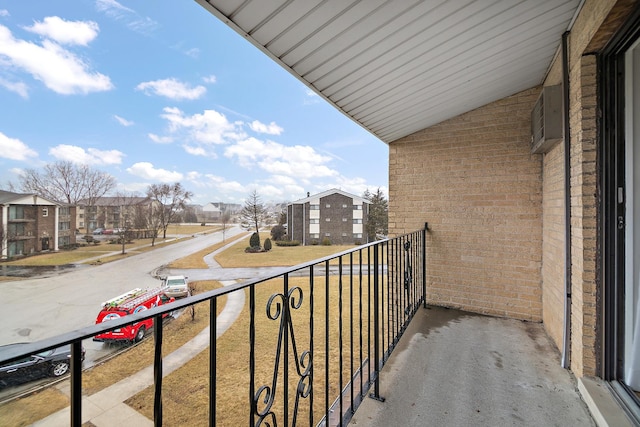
{"points": [[357, 207], [344, 234], [344, 205], [344, 219], [328, 219], [16, 230], [357, 235], [327, 205], [45, 212], [66, 225], [327, 234], [314, 221], [15, 248], [16, 212], [64, 241], [81, 215], [65, 210], [314, 207], [357, 221], [315, 235]]}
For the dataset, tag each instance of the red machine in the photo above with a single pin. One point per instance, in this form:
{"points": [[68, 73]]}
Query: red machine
{"points": [[130, 302]]}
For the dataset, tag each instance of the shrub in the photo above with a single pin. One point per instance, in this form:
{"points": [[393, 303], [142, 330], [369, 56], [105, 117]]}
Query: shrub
{"points": [[267, 245], [253, 249], [315, 242], [278, 232], [358, 243], [326, 242], [287, 243], [202, 224], [254, 241]]}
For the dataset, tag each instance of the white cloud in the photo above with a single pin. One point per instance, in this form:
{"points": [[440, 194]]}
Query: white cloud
{"points": [[194, 52], [66, 32], [147, 171], [4, 12], [311, 98], [90, 156], [133, 20], [210, 79], [275, 158], [172, 89], [210, 127], [271, 129], [160, 139], [18, 87], [59, 69], [14, 149], [196, 151], [123, 121]]}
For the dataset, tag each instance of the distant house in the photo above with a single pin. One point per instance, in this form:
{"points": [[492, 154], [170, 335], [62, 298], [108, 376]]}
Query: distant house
{"points": [[111, 212], [32, 224], [211, 211], [335, 215]]}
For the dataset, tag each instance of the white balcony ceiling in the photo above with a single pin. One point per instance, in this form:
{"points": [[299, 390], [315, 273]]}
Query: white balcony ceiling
{"points": [[396, 67]]}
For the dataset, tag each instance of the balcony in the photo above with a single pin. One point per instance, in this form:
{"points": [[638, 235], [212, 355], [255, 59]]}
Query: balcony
{"points": [[347, 339]]}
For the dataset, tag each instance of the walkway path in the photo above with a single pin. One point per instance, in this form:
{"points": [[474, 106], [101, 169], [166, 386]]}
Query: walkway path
{"points": [[106, 408]]}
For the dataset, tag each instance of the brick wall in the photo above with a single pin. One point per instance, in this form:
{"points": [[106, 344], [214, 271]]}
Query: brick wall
{"points": [[474, 180], [336, 227], [553, 243]]}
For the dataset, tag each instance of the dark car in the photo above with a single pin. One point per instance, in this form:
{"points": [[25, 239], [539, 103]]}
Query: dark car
{"points": [[54, 363]]}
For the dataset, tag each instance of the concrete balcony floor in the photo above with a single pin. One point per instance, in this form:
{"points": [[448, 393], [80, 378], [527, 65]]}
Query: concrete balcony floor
{"points": [[453, 368]]}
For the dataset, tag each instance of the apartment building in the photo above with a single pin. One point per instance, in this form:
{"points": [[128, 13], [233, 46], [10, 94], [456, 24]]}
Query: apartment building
{"points": [[333, 216], [111, 212], [33, 224]]}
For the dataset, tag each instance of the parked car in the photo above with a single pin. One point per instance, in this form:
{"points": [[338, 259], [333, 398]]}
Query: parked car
{"points": [[107, 231], [54, 363], [98, 231], [175, 286]]}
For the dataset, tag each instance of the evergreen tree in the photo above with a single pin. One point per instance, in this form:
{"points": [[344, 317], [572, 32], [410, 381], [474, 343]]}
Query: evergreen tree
{"points": [[378, 218]]}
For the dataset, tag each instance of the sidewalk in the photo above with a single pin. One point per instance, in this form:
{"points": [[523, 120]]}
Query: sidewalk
{"points": [[106, 408]]}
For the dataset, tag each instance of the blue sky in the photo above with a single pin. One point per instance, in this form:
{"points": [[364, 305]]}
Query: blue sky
{"points": [[159, 92]]}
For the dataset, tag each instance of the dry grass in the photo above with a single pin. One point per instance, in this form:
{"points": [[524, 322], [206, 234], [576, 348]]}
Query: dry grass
{"points": [[41, 404], [196, 260], [278, 256], [186, 391]]}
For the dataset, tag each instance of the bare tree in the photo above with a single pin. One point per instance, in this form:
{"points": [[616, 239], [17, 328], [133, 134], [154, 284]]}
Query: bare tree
{"points": [[126, 203], [225, 217], [68, 182], [253, 213], [169, 199]]}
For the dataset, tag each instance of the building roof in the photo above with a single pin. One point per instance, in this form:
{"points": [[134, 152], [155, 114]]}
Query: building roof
{"points": [[396, 67], [328, 193], [10, 198]]}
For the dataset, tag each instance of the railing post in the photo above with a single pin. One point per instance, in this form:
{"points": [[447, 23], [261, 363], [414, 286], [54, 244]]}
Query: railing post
{"points": [[376, 326], [424, 264], [76, 384], [157, 370], [213, 356]]}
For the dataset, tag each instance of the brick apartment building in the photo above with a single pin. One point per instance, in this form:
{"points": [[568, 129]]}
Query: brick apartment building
{"points": [[333, 216], [543, 233], [111, 212], [32, 224]]}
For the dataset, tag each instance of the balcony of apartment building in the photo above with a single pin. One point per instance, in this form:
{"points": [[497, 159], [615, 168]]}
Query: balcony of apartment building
{"points": [[346, 339]]}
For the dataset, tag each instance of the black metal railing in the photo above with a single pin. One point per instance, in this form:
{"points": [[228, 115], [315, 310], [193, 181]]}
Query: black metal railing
{"points": [[318, 335]]}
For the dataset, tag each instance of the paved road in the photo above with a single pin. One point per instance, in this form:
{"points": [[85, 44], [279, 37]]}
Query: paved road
{"points": [[34, 309]]}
